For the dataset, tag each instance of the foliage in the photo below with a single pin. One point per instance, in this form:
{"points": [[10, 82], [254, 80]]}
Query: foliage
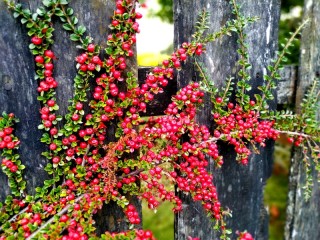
{"points": [[88, 170], [165, 12], [287, 4]]}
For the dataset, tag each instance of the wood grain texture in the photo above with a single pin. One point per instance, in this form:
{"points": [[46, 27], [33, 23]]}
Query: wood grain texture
{"points": [[18, 94], [303, 217], [240, 188], [286, 89]]}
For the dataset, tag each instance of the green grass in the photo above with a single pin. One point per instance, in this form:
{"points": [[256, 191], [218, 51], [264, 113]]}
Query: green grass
{"points": [[276, 192], [159, 222]]}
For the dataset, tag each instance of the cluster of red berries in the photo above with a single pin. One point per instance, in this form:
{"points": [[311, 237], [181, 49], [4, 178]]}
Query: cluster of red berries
{"points": [[296, 140], [10, 165], [132, 214], [7, 139], [45, 62], [48, 117], [196, 179], [89, 61], [144, 235], [241, 126], [193, 175], [137, 234], [157, 192], [33, 219], [75, 230], [158, 78]]}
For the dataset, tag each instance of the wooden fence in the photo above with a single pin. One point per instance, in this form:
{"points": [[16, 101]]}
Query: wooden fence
{"points": [[240, 188]]}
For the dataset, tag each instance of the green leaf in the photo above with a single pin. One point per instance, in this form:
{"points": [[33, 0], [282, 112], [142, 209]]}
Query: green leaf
{"points": [[67, 27], [47, 3], [63, 19], [74, 20], [81, 30], [41, 11], [31, 32], [69, 11], [16, 14], [58, 12], [26, 12], [30, 24], [23, 20], [74, 37], [109, 50], [34, 16]]}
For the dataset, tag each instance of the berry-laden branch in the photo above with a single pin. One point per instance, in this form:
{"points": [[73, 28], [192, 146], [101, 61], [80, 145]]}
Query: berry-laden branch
{"points": [[88, 170]]}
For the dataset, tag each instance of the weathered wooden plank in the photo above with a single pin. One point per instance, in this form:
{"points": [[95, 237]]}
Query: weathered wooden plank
{"points": [[18, 88], [240, 188], [18, 94], [287, 85], [303, 217]]}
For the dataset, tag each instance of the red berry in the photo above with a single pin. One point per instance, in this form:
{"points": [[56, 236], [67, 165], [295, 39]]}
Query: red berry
{"points": [[79, 106], [24, 221], [64, 218], [72, 138], [290, 139], [138, 15], [7, 130], [53, 146], [130, 53], [84, 67], [14, 168], [47, 124], [115, 23], [116, 74], [55, 160], [49, 54], [39, 59], [122, 65], [48, 66], [219, 100], [252, 103], [36, 40], [48, 73], [96, 60], [125, 46], [77, 207], [199, 51], [177, 64], [7, 139], [91, 67], [53, 131], [51, 103], [90, 47], [10, 145], [75, 117]]}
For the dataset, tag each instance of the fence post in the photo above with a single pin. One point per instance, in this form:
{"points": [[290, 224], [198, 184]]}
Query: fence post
{"points": [[18, 89], [303, 217], [240, 188]]}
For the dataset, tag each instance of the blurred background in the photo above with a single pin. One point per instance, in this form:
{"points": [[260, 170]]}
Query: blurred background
{"points": [[155, 43]]}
